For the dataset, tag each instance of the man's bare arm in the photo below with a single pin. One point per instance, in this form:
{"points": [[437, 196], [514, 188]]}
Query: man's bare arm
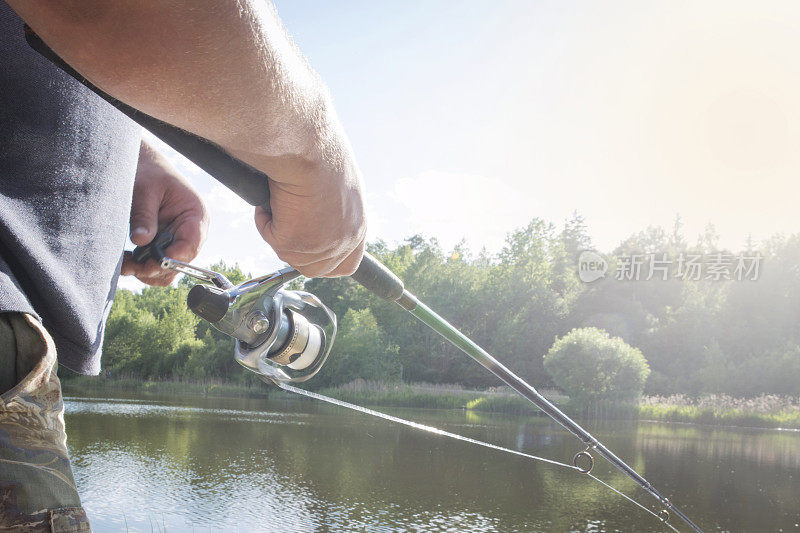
{"points": [[228, 72]]}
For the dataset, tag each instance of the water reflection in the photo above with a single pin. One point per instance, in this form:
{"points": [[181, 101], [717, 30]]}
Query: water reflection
{"points": [[265, 465]]}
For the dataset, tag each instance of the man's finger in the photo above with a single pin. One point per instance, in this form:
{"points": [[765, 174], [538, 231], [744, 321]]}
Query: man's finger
{"points": [[130, 267], [262, 219], [189, 236], [160, 281], [332, 267], [127, 264], [350, 264]]}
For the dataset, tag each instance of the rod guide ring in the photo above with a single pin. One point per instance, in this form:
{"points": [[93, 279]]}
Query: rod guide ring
{"points": [[585, 457], [663, 515]]}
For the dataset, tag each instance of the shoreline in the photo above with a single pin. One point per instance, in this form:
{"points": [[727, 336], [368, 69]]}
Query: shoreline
{"points": [[81, 384], [444, 397]]}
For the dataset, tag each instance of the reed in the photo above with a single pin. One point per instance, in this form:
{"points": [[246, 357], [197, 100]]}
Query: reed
{"points": [[767, 410], [435, 396], [403, 396], [79, 385]]}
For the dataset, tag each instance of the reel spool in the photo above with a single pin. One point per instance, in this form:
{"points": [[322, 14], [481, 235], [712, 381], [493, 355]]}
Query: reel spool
{"points": [[280, 334]]}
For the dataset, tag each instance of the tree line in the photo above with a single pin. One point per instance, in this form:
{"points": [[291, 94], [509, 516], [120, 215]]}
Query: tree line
{"points": [[706, 335]]}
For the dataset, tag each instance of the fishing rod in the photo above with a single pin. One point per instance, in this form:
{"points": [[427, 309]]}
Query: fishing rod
{"points": [[285, 336]]}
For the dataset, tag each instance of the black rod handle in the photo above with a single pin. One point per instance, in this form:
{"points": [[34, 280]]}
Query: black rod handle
{"points": [[379, 280], [249, 183]]}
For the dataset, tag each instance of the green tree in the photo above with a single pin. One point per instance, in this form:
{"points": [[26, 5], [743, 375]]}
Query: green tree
{"points": [[529, 298], [590, 365], [735, 337]]}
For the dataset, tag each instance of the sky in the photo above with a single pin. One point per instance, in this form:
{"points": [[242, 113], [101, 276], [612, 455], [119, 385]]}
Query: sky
{"points": [[469, 119]]}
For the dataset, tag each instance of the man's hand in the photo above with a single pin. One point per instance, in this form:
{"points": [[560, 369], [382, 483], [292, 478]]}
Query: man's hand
{"points": [[161, 197], [317, 223]]}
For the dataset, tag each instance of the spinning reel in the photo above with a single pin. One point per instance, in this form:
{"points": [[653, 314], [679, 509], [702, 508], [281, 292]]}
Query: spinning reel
{"points": [[282, 335]]}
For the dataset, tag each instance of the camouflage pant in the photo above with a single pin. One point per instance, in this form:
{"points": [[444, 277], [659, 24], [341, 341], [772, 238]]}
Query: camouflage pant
{"points": [[37, 489]]}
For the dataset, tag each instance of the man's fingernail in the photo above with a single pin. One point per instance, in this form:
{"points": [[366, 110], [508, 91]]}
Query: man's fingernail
{"points": [[141, 230]]}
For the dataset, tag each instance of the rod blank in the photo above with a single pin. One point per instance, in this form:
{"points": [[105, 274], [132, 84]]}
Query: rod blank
{"points": [[428, 317]]}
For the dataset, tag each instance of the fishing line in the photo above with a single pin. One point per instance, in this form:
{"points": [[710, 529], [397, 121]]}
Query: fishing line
{"points": [[437, 431], [639, 505], [277, 335]]}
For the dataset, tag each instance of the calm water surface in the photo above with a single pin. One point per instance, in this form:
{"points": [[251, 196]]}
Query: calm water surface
{"points": [[195, 464]]}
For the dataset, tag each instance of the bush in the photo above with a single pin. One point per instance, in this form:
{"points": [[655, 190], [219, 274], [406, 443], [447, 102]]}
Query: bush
{"points": [[590, 366]]}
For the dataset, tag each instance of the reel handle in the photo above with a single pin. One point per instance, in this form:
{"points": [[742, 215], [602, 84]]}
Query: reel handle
{"points": [[155, 248], [247, 182]]}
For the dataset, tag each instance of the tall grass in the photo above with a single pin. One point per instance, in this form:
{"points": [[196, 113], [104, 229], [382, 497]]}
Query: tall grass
{"points": [[506, 403], [767, 410], [426, 396], [433, 396], [83, 384]]}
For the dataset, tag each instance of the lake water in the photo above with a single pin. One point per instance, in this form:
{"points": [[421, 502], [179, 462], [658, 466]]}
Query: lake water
{"points": [[152, 463]]}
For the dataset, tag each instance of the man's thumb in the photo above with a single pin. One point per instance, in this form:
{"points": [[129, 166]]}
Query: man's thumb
{"points": [[144, 217]]}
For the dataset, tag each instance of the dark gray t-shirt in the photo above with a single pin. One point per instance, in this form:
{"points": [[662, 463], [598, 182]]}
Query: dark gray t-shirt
{"points": [[67, 163]]}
